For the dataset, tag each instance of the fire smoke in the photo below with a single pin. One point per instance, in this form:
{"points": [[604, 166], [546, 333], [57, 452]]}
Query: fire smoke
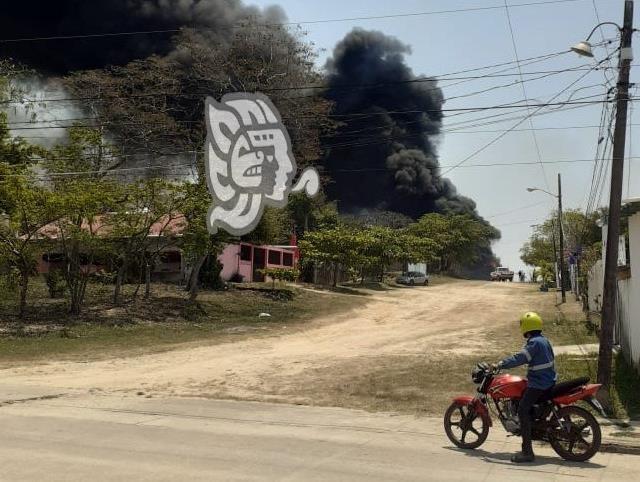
{"points": [[384, 155], [40, 19]]}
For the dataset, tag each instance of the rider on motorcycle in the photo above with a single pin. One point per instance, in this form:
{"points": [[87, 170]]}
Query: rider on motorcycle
{"points": [[541, 376]]}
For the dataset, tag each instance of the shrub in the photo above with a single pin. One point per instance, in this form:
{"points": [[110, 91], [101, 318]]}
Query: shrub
{"points": [[56, 283], [280, 274]]}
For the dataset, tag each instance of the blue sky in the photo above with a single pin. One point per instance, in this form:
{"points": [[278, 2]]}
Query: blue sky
{"points": [[452, 42]]}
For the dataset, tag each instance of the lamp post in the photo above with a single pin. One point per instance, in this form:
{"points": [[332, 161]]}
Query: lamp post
{"points": [[615, 197], [559, 198]]}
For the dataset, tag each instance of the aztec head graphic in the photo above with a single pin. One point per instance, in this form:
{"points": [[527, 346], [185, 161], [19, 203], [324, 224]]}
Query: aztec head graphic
{"points": [[249, 162]]}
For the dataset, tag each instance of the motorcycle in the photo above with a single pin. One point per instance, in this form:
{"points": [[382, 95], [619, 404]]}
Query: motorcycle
{"points": [[573, 432]]}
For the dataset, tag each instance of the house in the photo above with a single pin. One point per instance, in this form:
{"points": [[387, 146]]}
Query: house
{"points": [[243, 259], [247, 260], [627, 328]]}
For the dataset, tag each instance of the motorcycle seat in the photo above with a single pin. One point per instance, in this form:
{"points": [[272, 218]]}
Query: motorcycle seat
{"points": [[563, 388]]}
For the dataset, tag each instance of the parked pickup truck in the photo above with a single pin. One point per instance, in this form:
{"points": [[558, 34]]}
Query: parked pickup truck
{"points": [[502, 274]]}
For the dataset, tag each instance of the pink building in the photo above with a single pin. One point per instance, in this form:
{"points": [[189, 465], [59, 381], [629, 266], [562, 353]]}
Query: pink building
{"points": [[246, 260]]}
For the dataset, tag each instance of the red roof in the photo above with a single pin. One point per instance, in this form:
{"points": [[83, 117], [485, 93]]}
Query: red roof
{"points": [[168, 225]]}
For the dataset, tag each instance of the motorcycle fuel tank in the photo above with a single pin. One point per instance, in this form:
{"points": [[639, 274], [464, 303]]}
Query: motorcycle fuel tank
{"points": [[507, 386]]}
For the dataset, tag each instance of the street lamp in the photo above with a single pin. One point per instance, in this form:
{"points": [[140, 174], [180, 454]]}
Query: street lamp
{"points": [[584, 48], [559, 198]]}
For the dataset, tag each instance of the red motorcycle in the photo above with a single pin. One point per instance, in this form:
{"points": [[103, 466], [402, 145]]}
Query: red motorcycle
{"points": [[572, 431]]}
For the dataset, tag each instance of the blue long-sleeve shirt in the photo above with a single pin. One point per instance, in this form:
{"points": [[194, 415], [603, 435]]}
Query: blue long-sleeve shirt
{"points": [[538, 354]]}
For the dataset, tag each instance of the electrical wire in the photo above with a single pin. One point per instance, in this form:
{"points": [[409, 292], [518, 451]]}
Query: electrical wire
{"points": [[442, 77], [500, 136], [524, 93], [188, 166]]}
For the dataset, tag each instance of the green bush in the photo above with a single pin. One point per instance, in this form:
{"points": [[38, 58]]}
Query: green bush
{"points": [[55, 283], [280, 274]]}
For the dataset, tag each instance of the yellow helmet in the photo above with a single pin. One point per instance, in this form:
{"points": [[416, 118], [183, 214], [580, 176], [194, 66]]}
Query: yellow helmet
{"points": [[530, 321]]}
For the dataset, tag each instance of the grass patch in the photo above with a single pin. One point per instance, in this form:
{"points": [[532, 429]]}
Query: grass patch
{"points": [[161, 323], [571, 328], [625, 386], [402, 384]]}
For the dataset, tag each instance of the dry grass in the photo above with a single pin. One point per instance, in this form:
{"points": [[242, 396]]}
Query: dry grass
{"points": [[163, 322]]}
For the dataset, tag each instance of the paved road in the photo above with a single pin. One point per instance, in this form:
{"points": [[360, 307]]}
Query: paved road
{"points": [[108, 438]]}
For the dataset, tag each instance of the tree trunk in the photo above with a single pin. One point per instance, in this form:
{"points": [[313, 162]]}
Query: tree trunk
{"points": [[24, 287], [335, 275], [193, 279], [147, 281], [119, 280]]}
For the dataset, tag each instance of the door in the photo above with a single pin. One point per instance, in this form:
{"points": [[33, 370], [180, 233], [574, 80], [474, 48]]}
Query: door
{"points": [[259, 262]]}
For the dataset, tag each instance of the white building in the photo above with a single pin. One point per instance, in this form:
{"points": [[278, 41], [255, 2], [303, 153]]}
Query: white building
{"points": [[627, 330]]}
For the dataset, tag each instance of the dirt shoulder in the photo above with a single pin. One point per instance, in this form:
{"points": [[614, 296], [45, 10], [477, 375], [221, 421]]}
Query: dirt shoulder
{"points": [[387, 354]]}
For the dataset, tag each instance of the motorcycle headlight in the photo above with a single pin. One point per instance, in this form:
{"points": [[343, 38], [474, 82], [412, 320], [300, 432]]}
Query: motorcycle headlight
{"points": [[478, 373]]}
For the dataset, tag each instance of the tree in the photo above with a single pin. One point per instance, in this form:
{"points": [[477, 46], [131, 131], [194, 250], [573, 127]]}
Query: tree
{"points": [[27, 209], [154, 107], [581, 234], [197, 243], [82, 197], [458, 238], [143, 205], [24, 204], [338, 247]]}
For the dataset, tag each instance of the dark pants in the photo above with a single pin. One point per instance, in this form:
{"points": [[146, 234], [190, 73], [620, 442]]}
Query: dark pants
{"points": [[529, 399]]}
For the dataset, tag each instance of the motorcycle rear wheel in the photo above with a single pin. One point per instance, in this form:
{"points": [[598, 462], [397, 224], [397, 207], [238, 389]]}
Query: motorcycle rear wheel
{"points": [[462, 420], [582, 440]]}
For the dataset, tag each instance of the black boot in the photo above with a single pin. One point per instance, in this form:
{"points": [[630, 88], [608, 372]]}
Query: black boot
{"points": [[523, 457]]}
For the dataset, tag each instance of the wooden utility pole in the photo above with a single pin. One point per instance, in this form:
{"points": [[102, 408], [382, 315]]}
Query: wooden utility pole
{"points": [[615, 200], [562, 278]]}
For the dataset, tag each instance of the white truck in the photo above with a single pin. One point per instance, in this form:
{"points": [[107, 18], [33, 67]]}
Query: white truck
{"points": [[502, 274]]}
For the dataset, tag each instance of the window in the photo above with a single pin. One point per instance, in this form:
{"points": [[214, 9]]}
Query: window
{"points": [[53, 257], [245, 252], [287, 259], [170, 257], [275, 257]]}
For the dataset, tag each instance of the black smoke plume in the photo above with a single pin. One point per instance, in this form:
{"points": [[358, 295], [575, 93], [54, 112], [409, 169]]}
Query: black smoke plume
{"points": [[384, 155], [40, 19]]}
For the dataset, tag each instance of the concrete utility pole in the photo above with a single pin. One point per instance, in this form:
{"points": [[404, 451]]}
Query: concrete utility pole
{"points": [[562, 279], [615, 200]]}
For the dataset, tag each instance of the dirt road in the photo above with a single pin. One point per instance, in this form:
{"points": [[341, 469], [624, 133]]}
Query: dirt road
{"points": [[430, 323]]}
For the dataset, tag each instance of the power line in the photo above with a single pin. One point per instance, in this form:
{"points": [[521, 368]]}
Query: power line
{"points": [[544, 73], [524, 93], [286, 24], [500, 136], [189, 166], [522, 208], [352, 115]]}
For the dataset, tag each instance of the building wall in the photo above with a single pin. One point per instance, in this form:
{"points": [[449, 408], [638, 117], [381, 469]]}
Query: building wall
{"points": [[596, 281], [232, 262], [631, 325]]}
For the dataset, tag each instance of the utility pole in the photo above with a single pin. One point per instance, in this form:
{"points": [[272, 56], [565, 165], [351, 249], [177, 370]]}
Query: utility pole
{"points": [[615, 201], [562, 288], [556, 266]]}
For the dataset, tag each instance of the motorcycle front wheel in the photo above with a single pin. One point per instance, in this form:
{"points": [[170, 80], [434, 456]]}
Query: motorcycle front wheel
{"points": [[580, 436], [464, 427]]}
